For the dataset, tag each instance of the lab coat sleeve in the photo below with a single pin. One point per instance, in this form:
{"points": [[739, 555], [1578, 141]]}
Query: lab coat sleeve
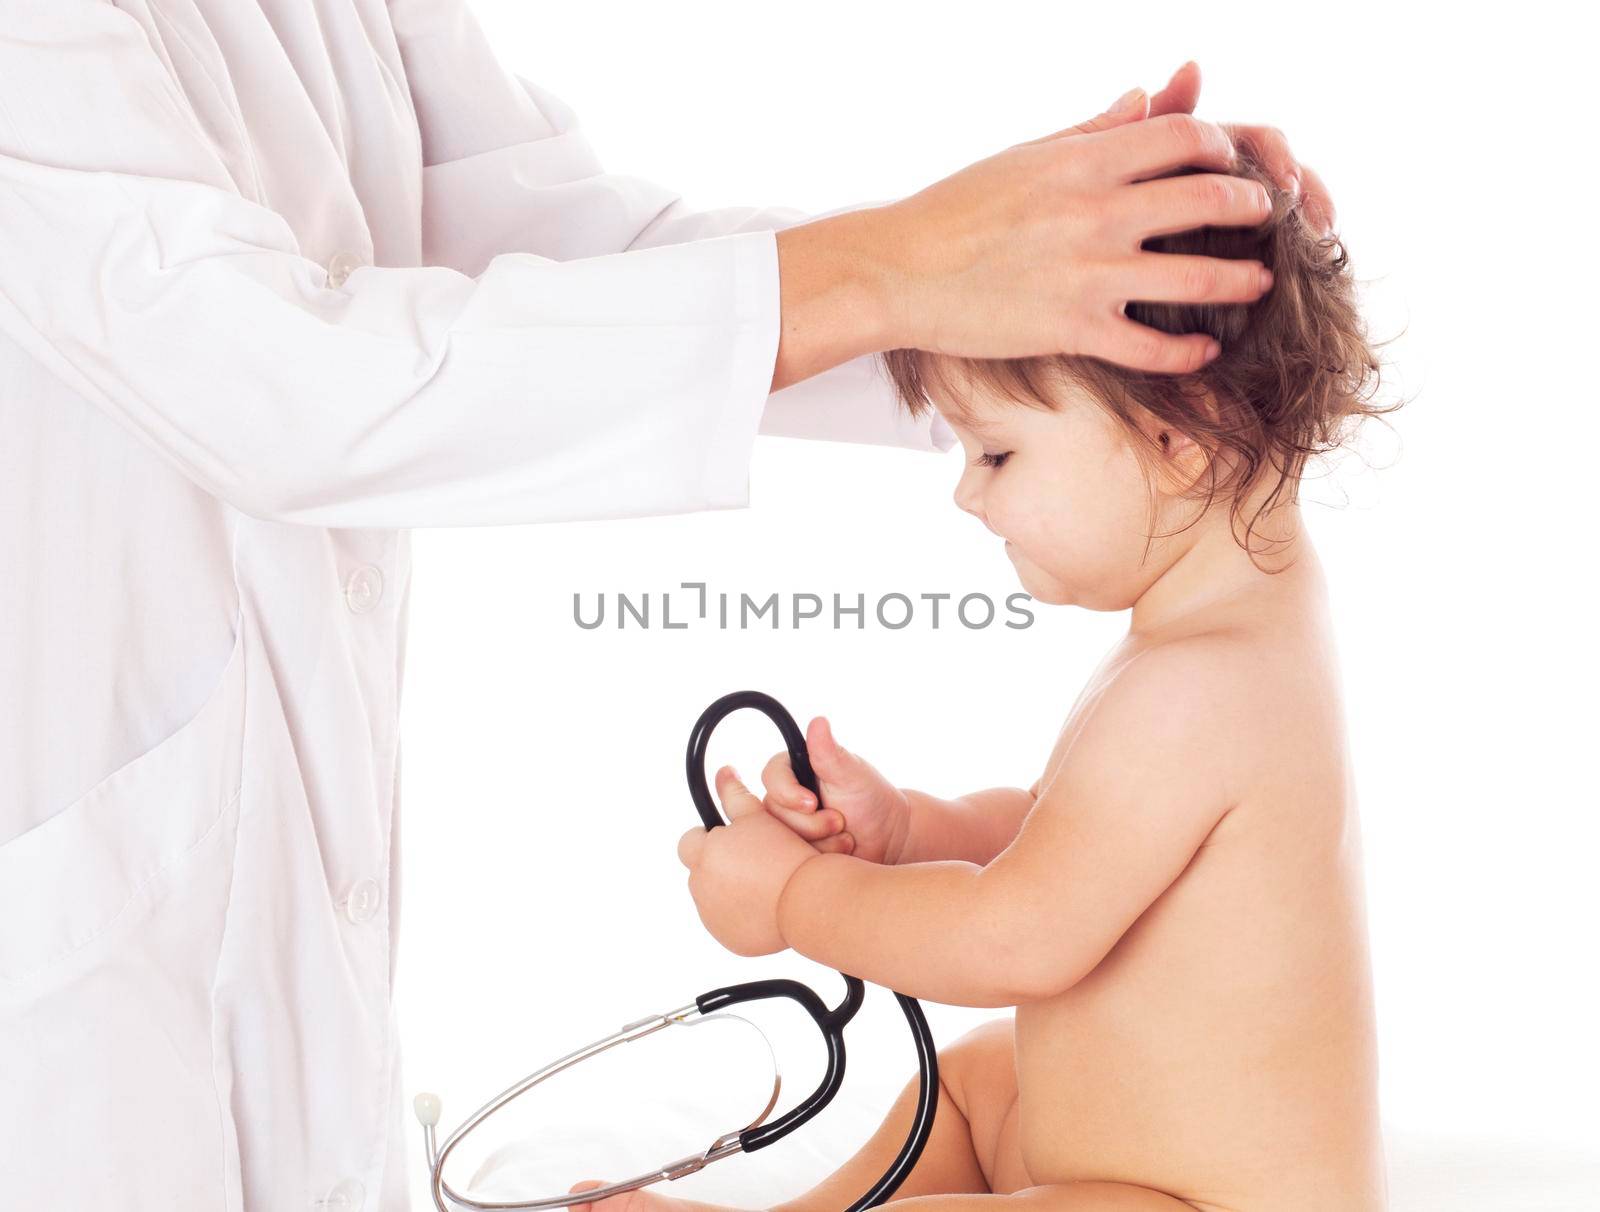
{"points": [[615, 385], [507, 167]]}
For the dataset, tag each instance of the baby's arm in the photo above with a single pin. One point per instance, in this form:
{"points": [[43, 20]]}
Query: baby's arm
{"points": [[1142, 787], [974, 827]]}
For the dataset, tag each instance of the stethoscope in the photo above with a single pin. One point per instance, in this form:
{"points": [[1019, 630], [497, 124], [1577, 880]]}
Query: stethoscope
{"points": [[759, 1133]]}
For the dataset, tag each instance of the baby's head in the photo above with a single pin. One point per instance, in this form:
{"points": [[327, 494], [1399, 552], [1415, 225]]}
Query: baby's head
{"points": [[1099, 477]]}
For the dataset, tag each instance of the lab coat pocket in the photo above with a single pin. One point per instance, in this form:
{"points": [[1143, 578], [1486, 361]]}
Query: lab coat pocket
{"points": [[95, 869]]}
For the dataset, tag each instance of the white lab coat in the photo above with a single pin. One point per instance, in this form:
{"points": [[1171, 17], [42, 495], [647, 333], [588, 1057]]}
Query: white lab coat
{"points": [[280, 280]]}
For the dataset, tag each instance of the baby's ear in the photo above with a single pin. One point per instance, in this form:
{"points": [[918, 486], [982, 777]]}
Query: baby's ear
{"points": [[1180, 460]]}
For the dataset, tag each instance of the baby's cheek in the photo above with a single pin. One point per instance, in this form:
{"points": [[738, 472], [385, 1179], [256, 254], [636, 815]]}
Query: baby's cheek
{"points": [[1065, 523], [1051, 557], [1092, 546]]}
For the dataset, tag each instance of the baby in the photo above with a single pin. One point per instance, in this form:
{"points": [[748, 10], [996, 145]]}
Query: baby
{"points": [[1174, 907]]}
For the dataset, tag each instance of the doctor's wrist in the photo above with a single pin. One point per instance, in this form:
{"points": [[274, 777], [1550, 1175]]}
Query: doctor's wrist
{"points": [[839, 293]]}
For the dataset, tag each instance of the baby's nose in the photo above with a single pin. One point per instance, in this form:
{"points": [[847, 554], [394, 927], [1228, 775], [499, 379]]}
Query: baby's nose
{"points": [[968, 499]]}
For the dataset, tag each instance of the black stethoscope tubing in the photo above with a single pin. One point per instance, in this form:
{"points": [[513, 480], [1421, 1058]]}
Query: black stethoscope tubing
{"points": [[832, 1022]]}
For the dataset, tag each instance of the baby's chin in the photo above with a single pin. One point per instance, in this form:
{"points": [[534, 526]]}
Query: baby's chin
{"points": [[1038, 584], [1055, 590]]}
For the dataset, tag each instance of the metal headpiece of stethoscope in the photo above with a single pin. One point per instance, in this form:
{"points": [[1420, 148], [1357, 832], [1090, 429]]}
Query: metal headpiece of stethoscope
{"points": [[758, 1133]]}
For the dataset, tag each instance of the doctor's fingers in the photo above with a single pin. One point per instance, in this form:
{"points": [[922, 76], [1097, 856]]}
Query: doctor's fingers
{"points": [[1137, 151], [1269, 143], [1121, 340], [1179, 278], [1127, 108], [1181, 92], [1271, 146], [1174, 204], [1316, 200], [1177, 96]]}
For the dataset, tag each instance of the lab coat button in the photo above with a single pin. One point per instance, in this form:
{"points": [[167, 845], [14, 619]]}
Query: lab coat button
{"points": [[346, 1195], [341, 266], [363, 588], [362, 901]]}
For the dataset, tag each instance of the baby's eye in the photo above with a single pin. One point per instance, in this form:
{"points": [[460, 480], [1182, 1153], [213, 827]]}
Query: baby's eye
{"points": [[991, 460]]}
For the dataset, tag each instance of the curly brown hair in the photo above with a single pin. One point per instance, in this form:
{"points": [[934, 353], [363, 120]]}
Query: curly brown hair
{"points": [[1296, 375]]}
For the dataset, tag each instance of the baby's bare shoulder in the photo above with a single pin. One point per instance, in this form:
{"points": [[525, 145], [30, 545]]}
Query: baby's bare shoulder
{"points": [[1196, 707], [1196, 682]]}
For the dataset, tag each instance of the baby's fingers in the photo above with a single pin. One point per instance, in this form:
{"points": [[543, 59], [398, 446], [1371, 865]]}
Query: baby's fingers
{"points": [[588, 1184], [777, 778], [811, 825], [839, 843]]}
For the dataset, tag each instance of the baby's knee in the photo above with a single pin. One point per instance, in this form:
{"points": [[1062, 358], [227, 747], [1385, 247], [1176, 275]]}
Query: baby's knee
{"points": [[979, 1070], [986, 1054]]}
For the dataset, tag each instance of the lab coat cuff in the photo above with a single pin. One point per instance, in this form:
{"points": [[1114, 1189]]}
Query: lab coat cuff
{"points": [[757, 312], [853, 402]]}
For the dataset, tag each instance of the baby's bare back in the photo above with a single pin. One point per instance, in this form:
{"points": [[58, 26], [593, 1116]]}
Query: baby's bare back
{"points": [[1223, 1050]]}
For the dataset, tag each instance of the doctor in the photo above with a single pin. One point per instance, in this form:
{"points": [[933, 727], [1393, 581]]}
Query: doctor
{"points": [[280, 280]]}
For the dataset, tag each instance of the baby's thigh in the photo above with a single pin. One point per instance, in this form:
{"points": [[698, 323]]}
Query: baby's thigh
{"points": [[980, 1071]]}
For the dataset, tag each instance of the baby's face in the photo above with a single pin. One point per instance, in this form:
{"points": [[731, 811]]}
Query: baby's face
{"points": [[1067, 492]]}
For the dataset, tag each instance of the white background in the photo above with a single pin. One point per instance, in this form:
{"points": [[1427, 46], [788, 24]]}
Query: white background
{"points": [[543, 904]]}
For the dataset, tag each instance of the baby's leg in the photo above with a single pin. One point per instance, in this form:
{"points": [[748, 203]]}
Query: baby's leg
{"points": [[977, 1089], [973, 1161], [977, 1086]]}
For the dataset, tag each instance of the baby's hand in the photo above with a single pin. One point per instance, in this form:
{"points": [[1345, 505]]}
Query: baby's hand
{"points": [[738, 871], [862, 814]]}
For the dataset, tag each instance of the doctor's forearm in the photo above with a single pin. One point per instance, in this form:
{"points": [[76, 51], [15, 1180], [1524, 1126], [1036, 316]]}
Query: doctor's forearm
{"points": [[836, 296]]}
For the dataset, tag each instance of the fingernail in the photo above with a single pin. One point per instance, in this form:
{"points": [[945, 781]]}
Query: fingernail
{"points": [[1129, 100], [1212, 350], [1266, 278]]}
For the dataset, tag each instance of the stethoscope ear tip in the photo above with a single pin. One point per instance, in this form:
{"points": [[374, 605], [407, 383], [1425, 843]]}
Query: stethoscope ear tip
{"points": [[427, 1107]]}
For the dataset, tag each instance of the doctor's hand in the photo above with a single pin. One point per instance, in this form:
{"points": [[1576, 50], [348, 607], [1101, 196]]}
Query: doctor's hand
{"points": [[1271, 147], [737, 871], [863, 814], [1037, 250]]}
